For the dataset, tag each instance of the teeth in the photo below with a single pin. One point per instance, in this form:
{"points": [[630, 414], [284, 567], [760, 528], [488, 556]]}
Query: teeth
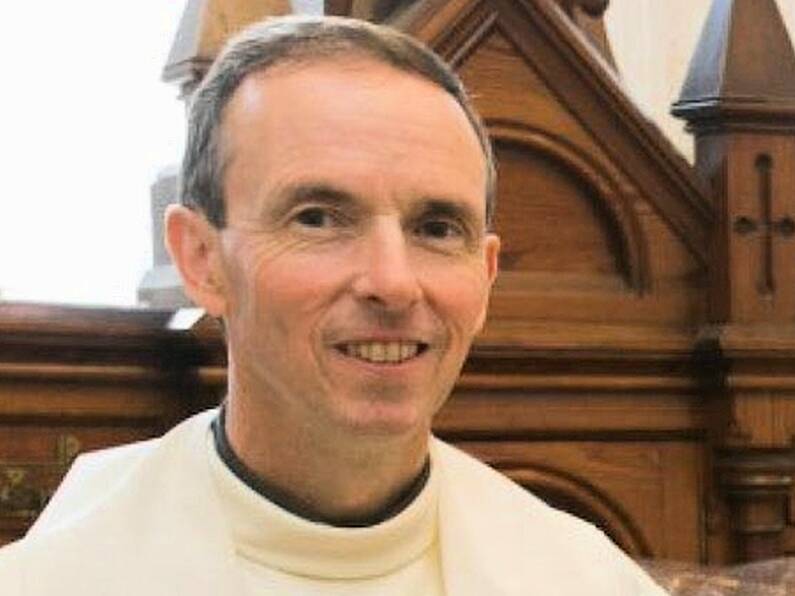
{"points": [[379, 351]]}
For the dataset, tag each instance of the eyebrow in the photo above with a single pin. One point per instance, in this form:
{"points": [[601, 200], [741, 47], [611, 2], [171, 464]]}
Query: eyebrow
{"points": [[317, 193], [322, 193]]}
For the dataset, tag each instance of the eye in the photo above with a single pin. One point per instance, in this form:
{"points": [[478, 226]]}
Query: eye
{"points": [[440, 229], [316, 217]]}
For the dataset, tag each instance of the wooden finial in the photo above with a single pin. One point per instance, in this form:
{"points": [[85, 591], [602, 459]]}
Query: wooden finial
{"points": [[744, 65]]}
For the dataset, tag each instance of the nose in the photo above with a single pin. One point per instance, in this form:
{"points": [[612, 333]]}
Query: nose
{"points": [[387, 277]]}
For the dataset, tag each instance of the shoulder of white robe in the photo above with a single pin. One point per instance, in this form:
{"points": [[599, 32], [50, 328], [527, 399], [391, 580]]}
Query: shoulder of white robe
{"points": [[11, 570], [497, 538]]}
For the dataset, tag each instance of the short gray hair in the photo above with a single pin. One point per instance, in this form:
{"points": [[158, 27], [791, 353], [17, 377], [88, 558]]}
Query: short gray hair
{"points": [[300, 40]]}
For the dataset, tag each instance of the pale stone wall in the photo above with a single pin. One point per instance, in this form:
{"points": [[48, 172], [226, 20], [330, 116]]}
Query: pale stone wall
{"points": [[653, 41]]}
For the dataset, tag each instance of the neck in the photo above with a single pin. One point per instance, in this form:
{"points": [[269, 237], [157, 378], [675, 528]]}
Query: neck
{"points": [[345, 481]]}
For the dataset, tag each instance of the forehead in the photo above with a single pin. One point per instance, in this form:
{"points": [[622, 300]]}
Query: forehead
{"points": [[362, 119], [336, 89]]}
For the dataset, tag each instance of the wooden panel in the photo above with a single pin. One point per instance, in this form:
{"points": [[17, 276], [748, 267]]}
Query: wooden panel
{"points": [[550, 221], [764, 418]]}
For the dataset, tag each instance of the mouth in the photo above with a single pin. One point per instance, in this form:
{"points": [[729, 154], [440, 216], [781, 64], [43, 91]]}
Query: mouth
{"points": [[383, 352]]}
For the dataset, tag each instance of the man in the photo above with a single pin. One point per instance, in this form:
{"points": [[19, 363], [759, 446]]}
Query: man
{"points": [[337, 191]]}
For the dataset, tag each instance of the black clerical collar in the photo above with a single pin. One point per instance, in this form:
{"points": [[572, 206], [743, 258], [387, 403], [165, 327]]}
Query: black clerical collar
{"points": [[279, 497]]}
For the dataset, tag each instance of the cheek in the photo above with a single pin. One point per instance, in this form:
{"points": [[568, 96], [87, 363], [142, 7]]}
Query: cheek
{"points": [[268, 274], [459, 296], [287, 296], [299, 284]]}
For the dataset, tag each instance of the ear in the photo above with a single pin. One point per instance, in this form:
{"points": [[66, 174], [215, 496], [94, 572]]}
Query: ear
{"points": [[193, 245], [492, 250], [491, 255]]}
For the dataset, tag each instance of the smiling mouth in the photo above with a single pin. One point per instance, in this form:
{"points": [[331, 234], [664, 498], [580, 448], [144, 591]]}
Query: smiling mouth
{"points": [[383, 352]]}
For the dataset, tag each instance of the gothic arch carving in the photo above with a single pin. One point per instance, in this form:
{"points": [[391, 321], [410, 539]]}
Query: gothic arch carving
{"points": [[613, 192], [579, 497]]}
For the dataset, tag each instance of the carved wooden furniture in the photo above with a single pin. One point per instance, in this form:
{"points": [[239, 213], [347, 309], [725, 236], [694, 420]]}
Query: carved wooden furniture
{"points": [[638, 367]]}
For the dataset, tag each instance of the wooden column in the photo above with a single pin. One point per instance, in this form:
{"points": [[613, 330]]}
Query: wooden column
{"points": [[739, 101], [757, 485]]}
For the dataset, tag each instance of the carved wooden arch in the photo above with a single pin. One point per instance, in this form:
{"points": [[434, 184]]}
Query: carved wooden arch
{"points": [[579, 497], [606, 182]]}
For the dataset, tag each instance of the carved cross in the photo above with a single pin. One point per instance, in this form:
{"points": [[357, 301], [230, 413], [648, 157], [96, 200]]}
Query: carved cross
{"points": [[768, 227]]}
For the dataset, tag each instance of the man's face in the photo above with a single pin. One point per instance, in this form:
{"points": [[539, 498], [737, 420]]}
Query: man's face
{"points": [[355, 264]]}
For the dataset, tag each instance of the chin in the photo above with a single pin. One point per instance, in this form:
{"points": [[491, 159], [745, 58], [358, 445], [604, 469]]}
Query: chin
{"points": [[386, 421]]}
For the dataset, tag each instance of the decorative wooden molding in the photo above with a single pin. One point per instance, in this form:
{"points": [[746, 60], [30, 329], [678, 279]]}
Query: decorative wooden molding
{"points": [[76, 373], [66, 340], [577, 382], [757, 485]]}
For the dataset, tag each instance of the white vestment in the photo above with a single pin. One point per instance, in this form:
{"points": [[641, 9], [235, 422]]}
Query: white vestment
{"points": [[145, 520]]}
